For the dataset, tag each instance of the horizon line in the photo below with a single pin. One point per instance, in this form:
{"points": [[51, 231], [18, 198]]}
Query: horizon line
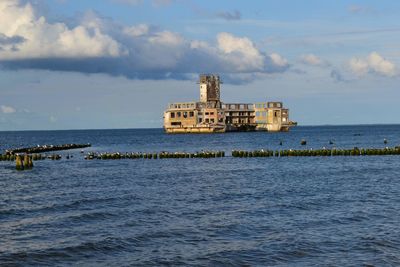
{"points": [[152, 128]]}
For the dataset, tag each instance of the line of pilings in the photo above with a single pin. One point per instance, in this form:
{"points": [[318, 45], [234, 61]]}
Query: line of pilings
{"points": [[46, 148], [248, 154], [24, 162], [161, 155], [35, 157], [317, 152]]}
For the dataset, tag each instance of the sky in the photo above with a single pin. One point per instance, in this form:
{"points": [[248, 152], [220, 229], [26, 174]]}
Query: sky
{"points": [[98, 64]]}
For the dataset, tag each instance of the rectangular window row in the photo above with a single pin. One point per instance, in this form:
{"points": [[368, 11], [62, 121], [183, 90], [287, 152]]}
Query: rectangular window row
{"points": [[183, 105], [184, 114]]}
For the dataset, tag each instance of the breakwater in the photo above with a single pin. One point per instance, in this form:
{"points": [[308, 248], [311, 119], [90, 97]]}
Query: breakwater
{"points": [[318, 152], [160, 155], [212, 154], [248, 154], [46, 148], [34, 157]]}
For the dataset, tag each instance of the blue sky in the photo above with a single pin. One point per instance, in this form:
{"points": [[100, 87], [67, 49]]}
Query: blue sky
{"points": [[68, 64]]}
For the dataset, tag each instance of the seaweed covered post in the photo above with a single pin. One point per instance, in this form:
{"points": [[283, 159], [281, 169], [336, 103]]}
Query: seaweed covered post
{"points": [[19, 165], [26, 161]]}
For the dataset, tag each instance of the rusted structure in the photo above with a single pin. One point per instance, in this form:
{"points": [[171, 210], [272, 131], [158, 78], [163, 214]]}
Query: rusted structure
{"points": [[210, 115]]}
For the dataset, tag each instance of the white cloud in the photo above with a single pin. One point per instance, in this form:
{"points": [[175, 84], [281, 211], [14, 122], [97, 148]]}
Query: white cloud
{"points": [[7, 109], [138, 30], [381, 65], [373, 63], [43, 39], [311, 59], [278, 60], [359, 66], [240, 52], [166, 38], [199, 45]]}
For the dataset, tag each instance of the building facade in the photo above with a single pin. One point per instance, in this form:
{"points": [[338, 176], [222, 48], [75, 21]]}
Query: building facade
{"points": [[210, 115]]}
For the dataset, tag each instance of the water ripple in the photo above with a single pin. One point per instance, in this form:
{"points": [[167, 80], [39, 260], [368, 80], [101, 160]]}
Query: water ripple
{"points": [[341, 211]]}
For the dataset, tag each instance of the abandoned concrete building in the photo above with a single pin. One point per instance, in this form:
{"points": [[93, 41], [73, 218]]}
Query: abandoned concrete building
{"points": [[210, 115]]}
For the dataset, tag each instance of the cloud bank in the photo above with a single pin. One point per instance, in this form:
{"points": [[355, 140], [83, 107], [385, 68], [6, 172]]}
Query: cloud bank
{"points": [[98, 45]]}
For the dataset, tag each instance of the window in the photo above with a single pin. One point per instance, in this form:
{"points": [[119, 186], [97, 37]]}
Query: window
{"points": [[264, 114], [258, 114], [191, 114], [212, 120], [207, 120], [207, 113], [172, 114], [200, 120], [178, 114], [211, 113], [177, 123], [200, 113]]}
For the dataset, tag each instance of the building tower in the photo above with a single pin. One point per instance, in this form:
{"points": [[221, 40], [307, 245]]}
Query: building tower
{"points": [[210, 90]]}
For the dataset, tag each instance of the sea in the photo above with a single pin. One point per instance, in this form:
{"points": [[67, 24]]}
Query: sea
{"points": [[289, 211]]}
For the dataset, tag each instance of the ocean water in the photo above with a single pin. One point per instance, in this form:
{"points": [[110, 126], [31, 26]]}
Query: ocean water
{"points": [[297, 211]]}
